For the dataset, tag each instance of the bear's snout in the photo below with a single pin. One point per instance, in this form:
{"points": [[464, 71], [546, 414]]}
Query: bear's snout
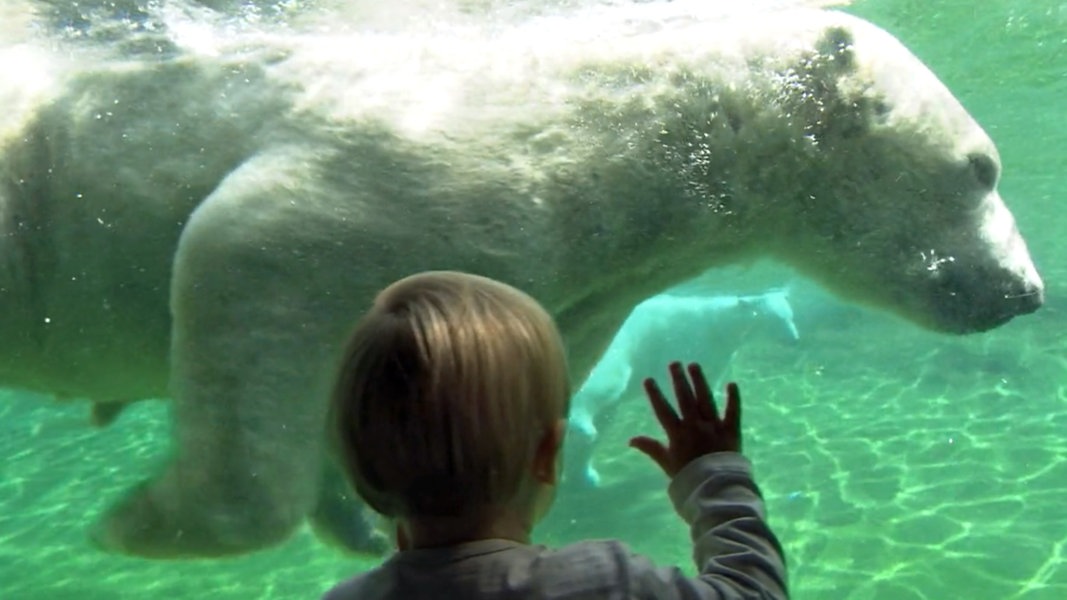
{"points": [[976, 300]]}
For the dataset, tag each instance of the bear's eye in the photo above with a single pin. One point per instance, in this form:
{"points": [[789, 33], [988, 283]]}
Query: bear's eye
{"points": [[881, 109], [984, 169]]}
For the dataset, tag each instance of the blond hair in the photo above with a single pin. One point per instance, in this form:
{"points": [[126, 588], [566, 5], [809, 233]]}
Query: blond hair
{"points": [[445, 389]]}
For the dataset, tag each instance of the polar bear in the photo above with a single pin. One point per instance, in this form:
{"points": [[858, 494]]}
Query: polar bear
{"points": [[708, 329], [207, 224]]}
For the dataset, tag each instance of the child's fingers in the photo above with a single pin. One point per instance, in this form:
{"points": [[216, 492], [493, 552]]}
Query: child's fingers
{"points": [[654, 449], [683, 393], [402, 542], [732, 418], [705, 402], [668, 419]]}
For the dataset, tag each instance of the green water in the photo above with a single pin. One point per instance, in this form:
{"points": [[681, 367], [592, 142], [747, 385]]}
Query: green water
{"points": [[897, 464]]}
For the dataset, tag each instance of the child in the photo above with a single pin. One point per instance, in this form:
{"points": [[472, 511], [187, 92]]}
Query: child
{"points": [[449, 415]]}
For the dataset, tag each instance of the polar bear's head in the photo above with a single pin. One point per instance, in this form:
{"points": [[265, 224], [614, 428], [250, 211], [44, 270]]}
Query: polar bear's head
{"points": [[897, 205]]}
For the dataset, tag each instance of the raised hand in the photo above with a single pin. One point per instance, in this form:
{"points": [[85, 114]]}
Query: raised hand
{"points": [[698, 430]]}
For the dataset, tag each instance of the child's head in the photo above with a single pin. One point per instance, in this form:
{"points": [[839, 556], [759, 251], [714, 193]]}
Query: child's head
{"points": [[447, 388]]}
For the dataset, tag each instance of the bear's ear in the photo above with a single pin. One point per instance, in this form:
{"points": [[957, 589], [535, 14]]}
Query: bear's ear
{"points": [[836, 45], [827, 110]]}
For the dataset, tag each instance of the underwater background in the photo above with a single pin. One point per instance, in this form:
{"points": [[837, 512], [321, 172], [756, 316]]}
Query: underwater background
{"points": [[898, 464]]}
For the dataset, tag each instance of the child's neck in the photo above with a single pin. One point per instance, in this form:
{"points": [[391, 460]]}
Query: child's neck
{"points": [[436, 532]]}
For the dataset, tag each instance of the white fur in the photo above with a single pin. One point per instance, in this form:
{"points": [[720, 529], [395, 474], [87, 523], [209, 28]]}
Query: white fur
{"points": [[207, 225]]}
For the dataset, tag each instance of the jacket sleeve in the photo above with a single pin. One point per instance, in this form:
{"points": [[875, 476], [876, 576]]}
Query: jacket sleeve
{"points": [[736, 552]]}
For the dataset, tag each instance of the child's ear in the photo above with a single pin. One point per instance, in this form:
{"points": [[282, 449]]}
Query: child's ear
{"points": [[546, 464]]}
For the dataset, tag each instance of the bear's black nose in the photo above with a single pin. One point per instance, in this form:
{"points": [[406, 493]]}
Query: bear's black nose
{"points": [[974, 300], [1025, 300]]}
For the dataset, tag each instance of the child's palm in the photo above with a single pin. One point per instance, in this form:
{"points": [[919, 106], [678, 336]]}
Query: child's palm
{"points": [[698, 430]]}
